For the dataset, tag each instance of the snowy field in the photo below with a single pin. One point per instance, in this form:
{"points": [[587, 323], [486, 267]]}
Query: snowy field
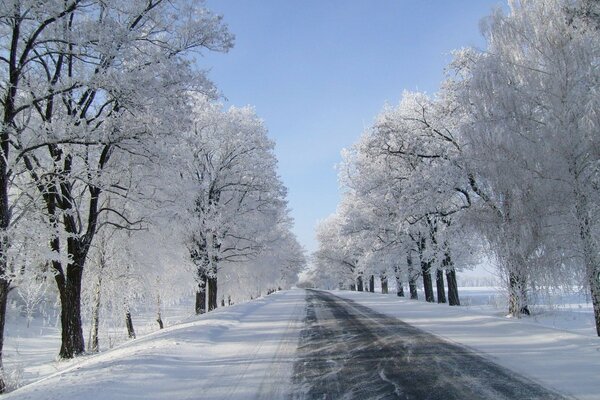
{"points": [[228, 353]]}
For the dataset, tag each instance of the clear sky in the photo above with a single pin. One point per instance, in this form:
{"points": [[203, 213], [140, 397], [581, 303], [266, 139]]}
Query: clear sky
{"points": [[318, 71]]}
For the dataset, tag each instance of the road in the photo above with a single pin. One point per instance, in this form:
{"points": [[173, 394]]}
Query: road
{"points": [[348, 351]]}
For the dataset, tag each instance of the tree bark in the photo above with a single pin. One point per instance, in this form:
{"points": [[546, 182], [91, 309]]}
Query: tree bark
{"points": [[353, 287], [359, 283], [412, 278], [439, 283], [427, 282], [212, 292], [517, 296], [426, 273], [129, 323], [93, 345], [158, 312], [372, 284], [590, 254], [201, 295], [4, 289], [399, 286], [69, 288], [453, 298], [384, 284]]}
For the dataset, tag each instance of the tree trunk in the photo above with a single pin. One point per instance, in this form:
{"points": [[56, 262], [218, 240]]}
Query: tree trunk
{"points": [[412, 278], [384, 284], [4, 289], [72, 342], [201, 295], [359, 283], [412, 287], [353, 287], [426, 273], [93, 346], [158, 313], [448, 265], [212, 274], [129, 323], [212, 292], [590, 253], [399, 286], [372, 284], [427, 283], [517, 296], [453, 298], [439, 283]]}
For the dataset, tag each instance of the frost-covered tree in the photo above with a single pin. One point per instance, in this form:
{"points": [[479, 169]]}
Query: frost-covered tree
{"points": [[81, 82], [532, 98], [237, 210]]}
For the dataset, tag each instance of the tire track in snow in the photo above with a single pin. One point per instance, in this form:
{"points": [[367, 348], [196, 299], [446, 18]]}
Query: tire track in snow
{"points": [[348, 351]]}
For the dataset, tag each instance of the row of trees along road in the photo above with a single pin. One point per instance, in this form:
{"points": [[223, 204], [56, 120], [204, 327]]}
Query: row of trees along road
{"points": [[504, 161], [117, 164]]}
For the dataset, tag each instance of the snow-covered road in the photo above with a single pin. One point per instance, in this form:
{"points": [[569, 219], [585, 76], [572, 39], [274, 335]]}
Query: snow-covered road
{"points": [[317, 345], [349, 351], [241, 352]]}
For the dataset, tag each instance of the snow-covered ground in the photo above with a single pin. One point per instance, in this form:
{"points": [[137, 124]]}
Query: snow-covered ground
{"points": [[228, 353], [566, 361], [231, 353]]}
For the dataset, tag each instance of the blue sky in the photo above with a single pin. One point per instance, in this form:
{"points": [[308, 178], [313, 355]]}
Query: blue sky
{"points": [[318, 72]]}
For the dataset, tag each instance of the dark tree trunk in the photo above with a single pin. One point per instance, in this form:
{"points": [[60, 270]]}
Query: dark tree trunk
{"points": [[399, 289], [353, 287], [453, 298], [372, 284], [412, 278], [212, 274], [384, 284], [201, 295], [129, 324], [158, 311], [412, 287], [399, 286], [359, 283], [4, 289], [223, 301], [427, 282], [72, 342], [448, 265], [426, 273], [590, 252], [439, 284], [212, 292]]}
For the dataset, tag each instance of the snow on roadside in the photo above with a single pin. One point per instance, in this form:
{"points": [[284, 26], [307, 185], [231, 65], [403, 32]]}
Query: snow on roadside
{"points": [[225, 354], [566, 361]]}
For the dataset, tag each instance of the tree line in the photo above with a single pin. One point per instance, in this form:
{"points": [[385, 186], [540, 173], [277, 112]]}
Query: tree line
{"points": [[502, 162], [122, 179]]}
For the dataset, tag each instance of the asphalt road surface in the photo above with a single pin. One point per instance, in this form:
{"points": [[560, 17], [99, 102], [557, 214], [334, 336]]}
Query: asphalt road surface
{"points": [[348, 351]]}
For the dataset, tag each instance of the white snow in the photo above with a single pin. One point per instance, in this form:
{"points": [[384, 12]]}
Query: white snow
{"points": [[235, 352], [246, 351]]}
